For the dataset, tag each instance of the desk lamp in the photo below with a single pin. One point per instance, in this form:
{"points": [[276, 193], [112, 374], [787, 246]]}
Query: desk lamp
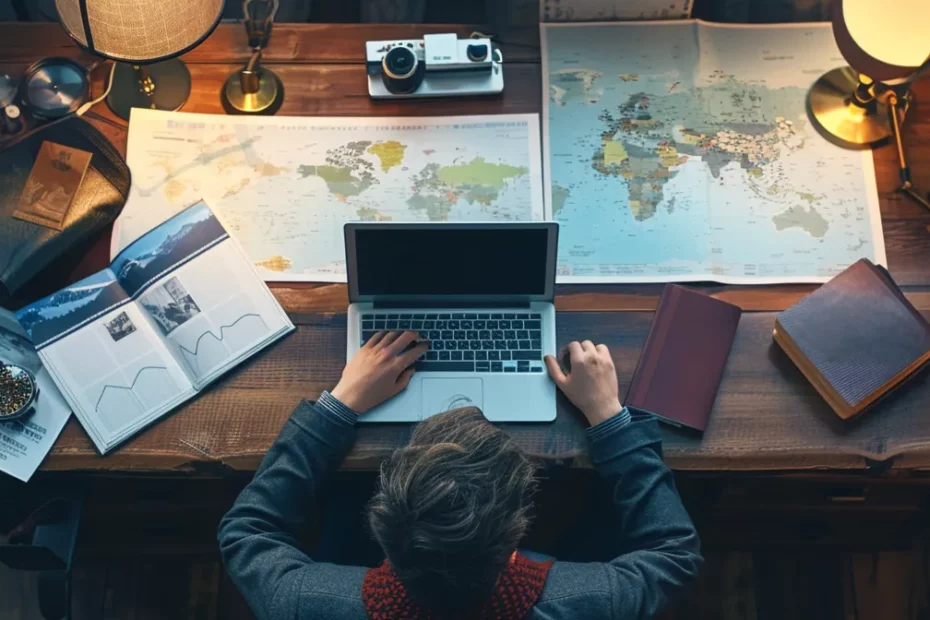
{"points": [[255, 89], [887, 44], [145, 37]]}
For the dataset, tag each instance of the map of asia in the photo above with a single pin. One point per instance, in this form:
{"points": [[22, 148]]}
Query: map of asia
{"points": [[683, 151], [286, 186]]}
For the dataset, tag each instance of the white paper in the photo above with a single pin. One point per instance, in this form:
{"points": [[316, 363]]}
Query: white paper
{"points": [[607, 10], [682, 151], [174, 311], [25, 443], [284, 187]]}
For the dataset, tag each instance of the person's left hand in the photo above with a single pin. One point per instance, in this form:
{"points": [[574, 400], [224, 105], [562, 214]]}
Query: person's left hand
{"points": [[380, 369]]}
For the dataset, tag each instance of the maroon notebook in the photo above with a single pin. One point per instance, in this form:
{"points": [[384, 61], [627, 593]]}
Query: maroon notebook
{"points": [[682, 361]]}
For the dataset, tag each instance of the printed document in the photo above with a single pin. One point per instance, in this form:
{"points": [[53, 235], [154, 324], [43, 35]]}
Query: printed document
{"points": [[682, 151], [284, 187], [175, 310], [25, 442]]}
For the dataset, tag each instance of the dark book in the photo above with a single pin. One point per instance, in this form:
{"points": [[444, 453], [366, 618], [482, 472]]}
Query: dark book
{"points": [[855, 338], [683, 359]]}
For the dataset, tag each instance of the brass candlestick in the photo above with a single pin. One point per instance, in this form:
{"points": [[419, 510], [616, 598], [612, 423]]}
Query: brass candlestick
{"points": [[255, 89]]}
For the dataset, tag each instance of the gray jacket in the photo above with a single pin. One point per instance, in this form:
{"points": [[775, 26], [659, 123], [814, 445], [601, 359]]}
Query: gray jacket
{"points": [[281, 582]]}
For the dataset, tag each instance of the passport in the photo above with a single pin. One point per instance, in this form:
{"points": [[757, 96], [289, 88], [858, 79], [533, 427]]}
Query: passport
{"points": [[856, 338], [682, 362]]}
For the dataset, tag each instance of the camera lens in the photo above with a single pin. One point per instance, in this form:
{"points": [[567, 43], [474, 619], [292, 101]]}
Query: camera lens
{"points": [[400, 61], [477, 53], [401, 71]]}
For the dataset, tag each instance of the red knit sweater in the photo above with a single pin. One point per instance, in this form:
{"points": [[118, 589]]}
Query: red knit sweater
{"points": [[517, 590]]}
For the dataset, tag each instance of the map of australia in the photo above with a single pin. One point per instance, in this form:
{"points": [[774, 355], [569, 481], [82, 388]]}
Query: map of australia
{"points": [[693, 157], [286, 186]]}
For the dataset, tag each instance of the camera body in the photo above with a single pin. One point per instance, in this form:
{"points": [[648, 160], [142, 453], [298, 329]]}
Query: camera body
{"points": [[439, 65]]}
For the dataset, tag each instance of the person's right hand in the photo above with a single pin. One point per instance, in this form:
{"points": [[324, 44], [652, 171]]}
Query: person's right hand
{"points": [[591, 384], [380, 369]]}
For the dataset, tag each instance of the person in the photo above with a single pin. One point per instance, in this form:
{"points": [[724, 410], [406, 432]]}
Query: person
{"points": [[452, 507]]}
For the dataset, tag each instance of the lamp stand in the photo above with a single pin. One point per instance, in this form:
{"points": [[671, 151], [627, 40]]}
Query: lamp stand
{"points": [[253, 89], [843, 105], [850, 110], [160, 86], [907, 186]]}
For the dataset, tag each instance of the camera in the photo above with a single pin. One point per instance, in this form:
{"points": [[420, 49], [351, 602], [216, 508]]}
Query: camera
{"points": [[439, 65]]}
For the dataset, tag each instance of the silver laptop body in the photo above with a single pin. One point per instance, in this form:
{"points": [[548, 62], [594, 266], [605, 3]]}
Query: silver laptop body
{"points": [[481, 294]]}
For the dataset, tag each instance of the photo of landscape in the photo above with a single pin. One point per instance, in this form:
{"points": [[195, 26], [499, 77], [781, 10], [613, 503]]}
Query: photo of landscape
{"points": [[50, 318], [168, 245]]}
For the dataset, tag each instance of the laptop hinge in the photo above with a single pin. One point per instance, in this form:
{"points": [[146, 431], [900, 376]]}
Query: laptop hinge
{"points": [[448, 304]]}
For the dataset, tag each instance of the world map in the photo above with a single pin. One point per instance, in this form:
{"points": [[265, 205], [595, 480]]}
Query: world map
{"points": [[286, 186], [682, 151]]}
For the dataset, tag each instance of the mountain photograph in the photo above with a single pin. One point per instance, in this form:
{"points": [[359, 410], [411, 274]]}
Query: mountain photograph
{"points": [[49, 318], [164, 247]]}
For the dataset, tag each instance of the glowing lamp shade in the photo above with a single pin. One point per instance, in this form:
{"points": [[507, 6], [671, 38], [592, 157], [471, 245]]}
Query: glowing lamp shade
{"points": [[146, 36], [885, 43], [886, 40]]}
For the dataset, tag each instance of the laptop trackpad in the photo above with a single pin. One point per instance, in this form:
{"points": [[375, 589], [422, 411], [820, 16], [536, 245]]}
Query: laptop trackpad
{"points": [[441, 395]]}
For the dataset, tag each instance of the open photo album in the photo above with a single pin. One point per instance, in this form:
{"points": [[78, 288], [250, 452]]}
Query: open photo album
{"points": [[174, 311]]}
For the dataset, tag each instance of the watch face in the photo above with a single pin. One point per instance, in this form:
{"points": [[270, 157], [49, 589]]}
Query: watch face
{"points": [[17, 392]]}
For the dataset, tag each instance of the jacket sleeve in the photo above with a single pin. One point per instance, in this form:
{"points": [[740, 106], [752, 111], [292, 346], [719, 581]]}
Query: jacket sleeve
{"points": [[257, 536], [662, 554]]}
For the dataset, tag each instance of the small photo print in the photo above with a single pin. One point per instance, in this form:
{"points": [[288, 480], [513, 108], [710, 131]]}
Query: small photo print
{"points": [[170, 305], [120, 327]]}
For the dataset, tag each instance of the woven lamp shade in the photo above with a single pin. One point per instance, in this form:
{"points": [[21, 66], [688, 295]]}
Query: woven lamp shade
{"points": [[139, 31]]}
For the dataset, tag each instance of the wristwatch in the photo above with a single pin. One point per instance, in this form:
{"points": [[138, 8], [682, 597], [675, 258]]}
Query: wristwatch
{"points": [[18, 392]]}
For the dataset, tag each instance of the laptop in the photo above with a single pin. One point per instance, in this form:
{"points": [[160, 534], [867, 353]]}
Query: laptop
{"points": [[480, 293]]}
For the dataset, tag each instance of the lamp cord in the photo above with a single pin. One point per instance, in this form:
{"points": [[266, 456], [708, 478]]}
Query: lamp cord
{"points": [[87, 106]]}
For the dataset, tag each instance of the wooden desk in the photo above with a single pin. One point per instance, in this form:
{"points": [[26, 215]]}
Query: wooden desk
{"points": [[767, 417]]}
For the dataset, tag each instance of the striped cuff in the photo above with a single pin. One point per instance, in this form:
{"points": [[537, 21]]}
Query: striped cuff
{"points": [[609, 425], [333, 405]]}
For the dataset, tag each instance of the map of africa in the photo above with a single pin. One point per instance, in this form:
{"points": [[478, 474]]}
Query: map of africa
{"points": [[286, 186], [683, 151]]}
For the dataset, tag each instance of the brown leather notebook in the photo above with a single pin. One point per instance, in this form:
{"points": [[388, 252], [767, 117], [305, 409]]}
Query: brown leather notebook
{"points": [[855, 338], [682, 361]]}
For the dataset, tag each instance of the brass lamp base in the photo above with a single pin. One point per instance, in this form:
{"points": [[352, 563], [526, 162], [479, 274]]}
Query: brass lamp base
{"points": [[159, 86], [841, 117], [266, 96]]}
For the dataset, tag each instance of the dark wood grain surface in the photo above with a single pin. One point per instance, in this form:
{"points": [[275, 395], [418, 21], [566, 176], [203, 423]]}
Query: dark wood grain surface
{"points": [[767, 417]]}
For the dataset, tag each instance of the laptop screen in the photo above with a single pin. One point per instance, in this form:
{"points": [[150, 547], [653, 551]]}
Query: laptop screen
{"points": [[430, 261]]}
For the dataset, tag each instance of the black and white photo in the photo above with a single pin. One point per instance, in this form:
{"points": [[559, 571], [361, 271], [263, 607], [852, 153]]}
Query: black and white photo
{"points": [[120, 327], [170, 305]]}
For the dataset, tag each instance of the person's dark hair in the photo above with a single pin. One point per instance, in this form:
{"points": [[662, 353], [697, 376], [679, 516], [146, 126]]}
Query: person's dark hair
{"points": [[451, 508]]}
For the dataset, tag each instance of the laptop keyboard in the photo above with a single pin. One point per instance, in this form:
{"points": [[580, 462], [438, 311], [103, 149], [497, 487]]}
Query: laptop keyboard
{"points": [[468, 342]]}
